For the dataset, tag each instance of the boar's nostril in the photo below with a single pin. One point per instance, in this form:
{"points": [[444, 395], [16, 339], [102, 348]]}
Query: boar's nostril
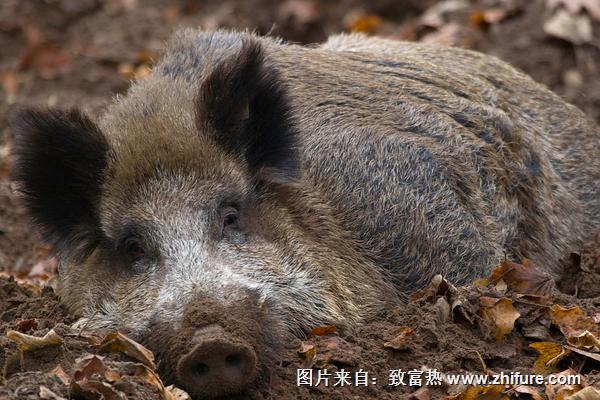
{"points": [[201, 369], [219, 365], [234, 360]]}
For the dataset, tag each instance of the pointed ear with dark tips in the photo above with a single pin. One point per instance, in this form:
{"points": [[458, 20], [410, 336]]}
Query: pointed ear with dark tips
{"points": [[60, 157], [243, 103]]}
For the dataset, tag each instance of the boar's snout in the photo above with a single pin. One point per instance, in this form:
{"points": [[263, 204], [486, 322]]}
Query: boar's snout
{"points": [[221, 348], [219, 364]]}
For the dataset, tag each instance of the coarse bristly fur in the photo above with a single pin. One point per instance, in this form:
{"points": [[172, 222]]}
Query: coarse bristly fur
{"points": [[322, 183]]}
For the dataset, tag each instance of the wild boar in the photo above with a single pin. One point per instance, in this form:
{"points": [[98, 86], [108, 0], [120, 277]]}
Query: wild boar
{"points": [[250, 190]]}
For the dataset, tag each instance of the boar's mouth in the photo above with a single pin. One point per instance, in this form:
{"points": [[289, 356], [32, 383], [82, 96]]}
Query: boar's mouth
{"points": [[219, 351]]}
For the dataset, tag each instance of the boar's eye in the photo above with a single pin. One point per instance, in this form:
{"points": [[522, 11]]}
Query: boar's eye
{"points": [[230, 227], [133, 248], [230, 217]]}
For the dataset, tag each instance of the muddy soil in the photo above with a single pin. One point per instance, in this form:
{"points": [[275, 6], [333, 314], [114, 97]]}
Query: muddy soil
{"points": [[71, 53], [455, 342]]}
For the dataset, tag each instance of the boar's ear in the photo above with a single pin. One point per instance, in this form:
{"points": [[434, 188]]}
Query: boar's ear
{"points": [[243, 103], [59, 160]]}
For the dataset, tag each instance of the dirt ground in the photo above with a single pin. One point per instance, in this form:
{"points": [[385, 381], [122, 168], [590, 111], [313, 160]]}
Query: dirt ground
{"points": [[82, 52]]}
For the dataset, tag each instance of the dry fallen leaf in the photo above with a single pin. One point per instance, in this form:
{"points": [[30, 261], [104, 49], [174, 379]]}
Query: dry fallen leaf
{"points": [[365, 23], [439, 286], [587, 393], [574, 28], [25, 325], [177, 393], [152, 378], [309, 352], [550, 355], [490, 392], [499, 315], [420, 394], [35, 285], [442, 310], [580, 330], [585, 340], [477, 18], [594, 356], [88, 373], [60, 374], [328, 350], [501, 287], [322, 331], [571, 319], [573, 80], [118, 342], [10, 85], [30, 343], [461, 308], [400, 338], [447, 35], [561, 392], [496, 15], [92, 388], [300, 11], [47, 394], [126, 70], [112, 375], [87, 366], [142, 72], [49, 60], [530, 390], [149, 376], [43, 269], [435, 16], [132, 72], [576, 6], [522, 278], [147, 56]]}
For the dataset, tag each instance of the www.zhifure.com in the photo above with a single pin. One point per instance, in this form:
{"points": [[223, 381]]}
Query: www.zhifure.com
{"points": [[426, 377]]}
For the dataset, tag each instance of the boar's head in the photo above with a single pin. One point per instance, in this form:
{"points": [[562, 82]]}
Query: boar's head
{"points": [[180, 220]]}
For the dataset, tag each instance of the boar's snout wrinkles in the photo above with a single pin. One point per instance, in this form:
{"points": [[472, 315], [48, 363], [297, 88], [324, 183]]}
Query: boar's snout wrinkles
{"points": [[250, 190]]}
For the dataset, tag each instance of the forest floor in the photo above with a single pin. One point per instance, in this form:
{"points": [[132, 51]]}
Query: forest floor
{"points": [[69, 53]]}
